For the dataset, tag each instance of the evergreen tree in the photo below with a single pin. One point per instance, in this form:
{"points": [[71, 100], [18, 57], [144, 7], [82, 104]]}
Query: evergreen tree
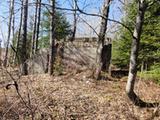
{"points": [[62, 28], [149, 46]]}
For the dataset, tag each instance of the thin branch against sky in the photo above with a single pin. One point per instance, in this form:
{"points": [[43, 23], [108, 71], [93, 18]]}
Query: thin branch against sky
{"points": [[91, 6]]}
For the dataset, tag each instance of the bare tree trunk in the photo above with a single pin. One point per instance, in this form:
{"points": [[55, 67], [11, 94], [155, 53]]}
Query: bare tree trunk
{"points": [[52, 38], [74, 22], [103, 62], [134, 56], [38, 25], [34, 28], [0, 52], [19, 36], [103, 27], [23, 53], [13, 35], [13, 25], [9, 31]]}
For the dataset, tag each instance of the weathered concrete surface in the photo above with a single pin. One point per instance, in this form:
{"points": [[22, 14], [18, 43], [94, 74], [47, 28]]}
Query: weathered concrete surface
{"points": [[74, 56]]}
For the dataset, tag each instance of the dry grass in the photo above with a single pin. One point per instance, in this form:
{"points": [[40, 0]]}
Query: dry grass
{"points": [[73, 96]]}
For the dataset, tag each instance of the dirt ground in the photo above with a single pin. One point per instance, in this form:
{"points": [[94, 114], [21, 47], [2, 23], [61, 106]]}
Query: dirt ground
{"points": [[73, 96]]}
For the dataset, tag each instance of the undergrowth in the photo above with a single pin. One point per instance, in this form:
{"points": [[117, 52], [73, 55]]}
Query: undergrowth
{"points": [[151, 75]]}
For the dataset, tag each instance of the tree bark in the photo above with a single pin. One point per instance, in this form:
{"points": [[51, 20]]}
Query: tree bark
{"points": [[103, 62], [103, 27], [135, 48], [74, 22], [9, 31], [134, 56], [16, 57], [38, 25], [34, 28], [23, 53], [52, 38], [0, 52], [13, 36]]}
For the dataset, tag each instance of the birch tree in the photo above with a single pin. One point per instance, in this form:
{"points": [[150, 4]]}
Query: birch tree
{"points": [[142, 5]]}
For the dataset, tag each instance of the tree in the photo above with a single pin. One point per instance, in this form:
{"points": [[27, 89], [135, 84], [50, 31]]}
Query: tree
{"points": [[35, 34], [34, 27], [23, 53], [142, 6], [17, 43], [38, 25], [52, 38], [9, 31], [62, 28], [0, 52], [74, 21], [105, 55], [149, 49]]}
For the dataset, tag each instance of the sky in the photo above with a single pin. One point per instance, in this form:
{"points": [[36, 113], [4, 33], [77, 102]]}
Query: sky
{"points": [[89, 6], [94, 6]]}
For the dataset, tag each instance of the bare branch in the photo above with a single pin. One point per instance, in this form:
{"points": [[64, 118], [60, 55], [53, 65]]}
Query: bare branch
{"points": [[91, 14], [88, 25], [85, 13]]}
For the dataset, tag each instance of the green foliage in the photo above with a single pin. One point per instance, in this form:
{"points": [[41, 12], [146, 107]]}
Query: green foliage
{"points": [[153, 74], [62, 28], [121, 51], [149, 51]]}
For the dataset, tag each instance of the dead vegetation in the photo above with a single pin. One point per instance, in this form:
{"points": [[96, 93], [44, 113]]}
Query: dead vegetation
{"points": [[73, 96]]}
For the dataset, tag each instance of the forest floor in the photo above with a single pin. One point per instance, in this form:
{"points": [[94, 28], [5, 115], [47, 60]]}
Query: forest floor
{"points": [[73, 96]]}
